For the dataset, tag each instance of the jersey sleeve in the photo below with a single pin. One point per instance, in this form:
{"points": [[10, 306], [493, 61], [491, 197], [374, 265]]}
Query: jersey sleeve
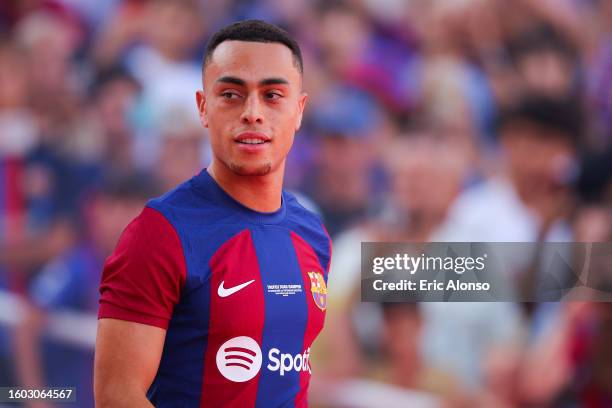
{"points": [[142, 279]]}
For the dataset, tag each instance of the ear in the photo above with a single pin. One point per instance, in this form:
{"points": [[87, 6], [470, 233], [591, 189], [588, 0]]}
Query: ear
{"points": [[201, 102], [301, 106]]}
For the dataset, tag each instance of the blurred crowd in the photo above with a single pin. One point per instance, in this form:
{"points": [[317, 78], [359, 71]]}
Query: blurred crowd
{"points": [[427, 120]]}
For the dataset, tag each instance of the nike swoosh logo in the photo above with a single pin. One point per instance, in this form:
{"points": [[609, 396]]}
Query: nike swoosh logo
{"points": [[225, 292]]}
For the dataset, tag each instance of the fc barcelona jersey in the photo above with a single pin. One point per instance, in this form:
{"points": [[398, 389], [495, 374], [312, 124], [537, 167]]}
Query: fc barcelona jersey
{"points": [[242, 295]]}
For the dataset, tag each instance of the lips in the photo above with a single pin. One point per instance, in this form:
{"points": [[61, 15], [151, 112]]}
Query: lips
{"points": [[252, 138]]}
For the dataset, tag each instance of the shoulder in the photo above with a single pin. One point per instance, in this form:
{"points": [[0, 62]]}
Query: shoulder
{"points": [[300, 216], [143, 277], [150, 222], [487, 211], [308, 226], [301, 207], [182, 196], [149, 236]]}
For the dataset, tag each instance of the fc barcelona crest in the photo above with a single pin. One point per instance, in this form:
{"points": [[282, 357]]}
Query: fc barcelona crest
{"points": [[318, 289]]}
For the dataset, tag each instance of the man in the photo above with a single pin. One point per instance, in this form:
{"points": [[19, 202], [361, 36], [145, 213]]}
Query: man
{"points": [[531, 196], [528, 199], [69, 283], [217, 289]]}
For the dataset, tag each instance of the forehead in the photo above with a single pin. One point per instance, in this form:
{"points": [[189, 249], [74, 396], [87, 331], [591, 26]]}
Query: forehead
{"points": [[251, 61]]}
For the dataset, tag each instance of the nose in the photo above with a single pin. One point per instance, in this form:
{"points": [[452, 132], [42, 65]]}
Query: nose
{"points": [[252, 113]]}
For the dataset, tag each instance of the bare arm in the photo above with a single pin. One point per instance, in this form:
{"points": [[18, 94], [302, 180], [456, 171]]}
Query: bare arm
{"points": [[127, 358], [28, 354]]}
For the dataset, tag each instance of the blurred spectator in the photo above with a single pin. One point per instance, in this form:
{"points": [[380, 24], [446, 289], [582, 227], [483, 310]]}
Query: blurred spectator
{"points": [[546, 62], [424, 155], [157, 39], [70, 283], [598, 78], [577, 346], [403, 365], [18, 135], [346, 122], [29, 235], [47, 191], [531, 197], [527, 201], [108, 129], [50, 42], [355, 50], [590, 360], [183, 151]]}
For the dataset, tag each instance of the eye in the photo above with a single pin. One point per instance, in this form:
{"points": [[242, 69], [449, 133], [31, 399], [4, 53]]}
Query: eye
{"points": [[229, 95], [273, 95]]}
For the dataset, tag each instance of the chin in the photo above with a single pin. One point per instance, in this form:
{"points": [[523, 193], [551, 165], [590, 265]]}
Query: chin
{"points": [[255, 169]]}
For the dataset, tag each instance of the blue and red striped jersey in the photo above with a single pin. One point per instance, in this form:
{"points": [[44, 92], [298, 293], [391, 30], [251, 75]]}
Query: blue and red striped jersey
{"points": [[241, 293]]}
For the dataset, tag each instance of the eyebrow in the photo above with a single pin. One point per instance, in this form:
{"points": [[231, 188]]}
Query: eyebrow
{"points": [[242, 82], [273, 81]]}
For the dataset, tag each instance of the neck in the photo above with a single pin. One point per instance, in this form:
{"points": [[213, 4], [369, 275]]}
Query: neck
{"points": [[418, 226], [259, 193]]}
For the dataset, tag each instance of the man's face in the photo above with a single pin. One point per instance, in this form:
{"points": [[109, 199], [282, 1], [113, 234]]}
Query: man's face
{"points": [[252, 104], [419, 161], [537, 162], [547, 72]]}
